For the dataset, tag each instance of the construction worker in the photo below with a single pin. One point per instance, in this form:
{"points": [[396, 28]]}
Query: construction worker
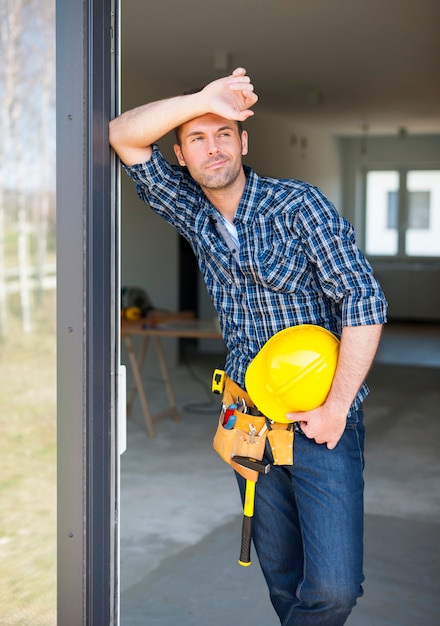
{"points": [[274, 254]]}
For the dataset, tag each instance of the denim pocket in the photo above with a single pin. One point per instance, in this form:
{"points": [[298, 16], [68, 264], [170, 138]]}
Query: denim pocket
{"points": [[355, 418]]}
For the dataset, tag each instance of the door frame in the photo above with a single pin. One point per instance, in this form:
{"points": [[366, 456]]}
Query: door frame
{"points": [[87, 313]]}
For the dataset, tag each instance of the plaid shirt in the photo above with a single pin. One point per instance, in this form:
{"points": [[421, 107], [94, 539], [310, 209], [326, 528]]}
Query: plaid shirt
{"points": [[298, 261]]}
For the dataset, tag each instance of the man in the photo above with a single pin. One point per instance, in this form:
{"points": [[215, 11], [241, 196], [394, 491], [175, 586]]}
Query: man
{"points": [[290, 259]]}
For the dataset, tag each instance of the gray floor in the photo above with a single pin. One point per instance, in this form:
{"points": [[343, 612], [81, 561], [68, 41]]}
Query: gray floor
{"points": [[181, 514]]}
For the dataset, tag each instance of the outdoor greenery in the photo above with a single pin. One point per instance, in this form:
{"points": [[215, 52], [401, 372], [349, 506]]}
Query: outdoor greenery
{"points": [[27, 314], [28, 471]]}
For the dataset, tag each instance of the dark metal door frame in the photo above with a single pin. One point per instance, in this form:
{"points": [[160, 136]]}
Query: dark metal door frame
{"points": [[87, 314]]}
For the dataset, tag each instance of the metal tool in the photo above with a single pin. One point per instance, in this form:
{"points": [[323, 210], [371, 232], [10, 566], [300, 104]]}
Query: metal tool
{"points": [[265, 426], [251, 463], [252, 432], [241, 405]]}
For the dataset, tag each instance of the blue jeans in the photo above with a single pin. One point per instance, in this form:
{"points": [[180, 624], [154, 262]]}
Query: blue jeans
{"points": [[308, 529]]}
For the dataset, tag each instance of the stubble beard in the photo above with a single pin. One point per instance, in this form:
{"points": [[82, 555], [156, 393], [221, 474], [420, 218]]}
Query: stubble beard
{"points": [[221, 179]]}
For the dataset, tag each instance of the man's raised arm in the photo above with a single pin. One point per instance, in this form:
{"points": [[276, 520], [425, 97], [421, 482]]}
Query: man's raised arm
{"points": [[133, 133]]}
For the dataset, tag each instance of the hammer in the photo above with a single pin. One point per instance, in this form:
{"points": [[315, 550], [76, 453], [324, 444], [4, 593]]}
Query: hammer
{"points": [[248, 508]]}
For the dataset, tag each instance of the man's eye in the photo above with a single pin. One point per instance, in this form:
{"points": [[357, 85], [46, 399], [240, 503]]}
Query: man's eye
{"points": [[196, 139]]}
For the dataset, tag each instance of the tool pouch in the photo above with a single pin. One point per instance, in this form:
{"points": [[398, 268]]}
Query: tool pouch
{"points": [[281, 442], [228, 443], [238, 441]]}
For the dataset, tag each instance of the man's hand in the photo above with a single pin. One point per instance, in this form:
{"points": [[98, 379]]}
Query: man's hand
{"points": [[321, 424], [133, 133], [231, 97]]}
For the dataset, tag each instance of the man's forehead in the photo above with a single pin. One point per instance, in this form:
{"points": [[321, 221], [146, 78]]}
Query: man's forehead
{"points": [[206, 122]]}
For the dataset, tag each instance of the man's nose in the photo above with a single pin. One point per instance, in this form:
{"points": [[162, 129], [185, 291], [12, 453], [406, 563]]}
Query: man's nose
{"points": [[212, 146]]}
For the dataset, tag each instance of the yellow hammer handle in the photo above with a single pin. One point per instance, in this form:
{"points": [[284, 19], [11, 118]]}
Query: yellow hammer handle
{"points": [[246, 533], [249, 498]]}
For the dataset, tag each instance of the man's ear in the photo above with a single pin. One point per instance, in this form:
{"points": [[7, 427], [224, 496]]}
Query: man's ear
{"points": [[244, 143], [179, 155]]}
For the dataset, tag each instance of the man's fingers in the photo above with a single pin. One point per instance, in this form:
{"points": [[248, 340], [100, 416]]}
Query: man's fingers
{"points": [[329, 441], [239, 71], [244, 115], [240, 82], [293, 417], [238, 102], [247, 89]]}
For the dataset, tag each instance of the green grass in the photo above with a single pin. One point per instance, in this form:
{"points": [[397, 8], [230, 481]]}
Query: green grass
{"points": [[28, 469]]}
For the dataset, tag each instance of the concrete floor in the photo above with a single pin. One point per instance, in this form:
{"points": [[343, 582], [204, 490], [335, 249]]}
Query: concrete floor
{"points": [[181, 513]]}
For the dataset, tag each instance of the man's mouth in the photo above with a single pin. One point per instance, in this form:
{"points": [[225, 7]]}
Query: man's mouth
{"points": [[215, 164]]}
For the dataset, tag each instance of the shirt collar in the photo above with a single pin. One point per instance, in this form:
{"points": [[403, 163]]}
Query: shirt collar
{"points": [[249, 200]]}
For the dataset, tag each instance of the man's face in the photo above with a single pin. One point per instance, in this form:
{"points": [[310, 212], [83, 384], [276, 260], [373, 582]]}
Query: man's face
{"points": [[211, 148]]}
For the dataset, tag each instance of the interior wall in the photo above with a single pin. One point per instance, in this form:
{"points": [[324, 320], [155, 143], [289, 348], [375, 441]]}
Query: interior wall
{"points": [[149, 250], [282, 147], [149, 245]]}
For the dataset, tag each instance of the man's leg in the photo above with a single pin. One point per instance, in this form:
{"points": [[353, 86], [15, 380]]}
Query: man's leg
{"points": [[308, 531]]}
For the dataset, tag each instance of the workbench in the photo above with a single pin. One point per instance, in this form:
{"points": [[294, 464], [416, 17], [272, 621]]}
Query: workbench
{"points": [[175, 326]]}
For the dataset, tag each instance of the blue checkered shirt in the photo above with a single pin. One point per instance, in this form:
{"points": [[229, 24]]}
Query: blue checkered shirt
{"points": [[298, 261]]}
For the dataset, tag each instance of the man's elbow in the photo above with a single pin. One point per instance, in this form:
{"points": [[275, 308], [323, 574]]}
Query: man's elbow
{"points": [[122, 143], [113, 133]]}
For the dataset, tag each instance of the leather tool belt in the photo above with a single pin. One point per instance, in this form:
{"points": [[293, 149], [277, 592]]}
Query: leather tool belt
{"points": [[248, 436]]}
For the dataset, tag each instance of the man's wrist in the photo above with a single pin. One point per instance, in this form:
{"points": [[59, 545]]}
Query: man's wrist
{"points": [[337, 408]]}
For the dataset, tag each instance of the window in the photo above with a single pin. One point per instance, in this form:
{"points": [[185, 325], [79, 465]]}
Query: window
{"points": [[419, 209], [382, 213], [422, 237], [403, 213], [28, 563], [392, 210]]}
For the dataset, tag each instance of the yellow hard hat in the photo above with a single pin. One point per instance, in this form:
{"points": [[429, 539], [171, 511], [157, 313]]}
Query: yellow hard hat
{"points": [[293, 371]]}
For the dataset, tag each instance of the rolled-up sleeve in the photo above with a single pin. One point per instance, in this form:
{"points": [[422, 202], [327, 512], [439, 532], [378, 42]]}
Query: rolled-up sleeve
{"points": [[345, 275]]}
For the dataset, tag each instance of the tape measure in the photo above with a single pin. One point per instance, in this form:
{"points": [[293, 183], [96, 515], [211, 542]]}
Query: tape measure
{"points": [[218, 381], [132, 313]]}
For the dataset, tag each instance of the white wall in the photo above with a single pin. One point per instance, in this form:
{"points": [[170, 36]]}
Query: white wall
{"points": [[283, 148], [149, 246], [149, 250]]}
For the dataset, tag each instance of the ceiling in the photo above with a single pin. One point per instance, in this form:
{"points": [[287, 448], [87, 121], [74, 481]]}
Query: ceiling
{"points": [[351, 65]]}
